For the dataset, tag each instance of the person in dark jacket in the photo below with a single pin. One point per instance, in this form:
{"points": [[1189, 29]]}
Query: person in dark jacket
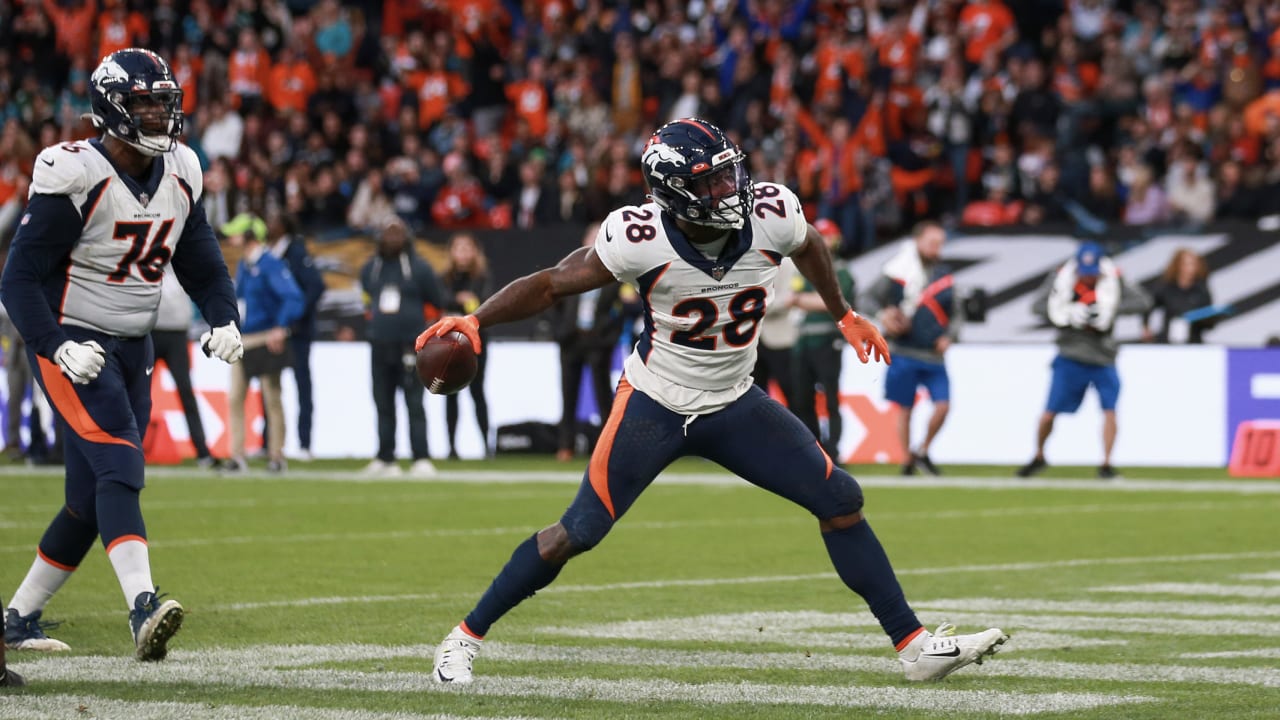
{"points": [[400, 291], [587, 327], [466, 285], [1183, 287], [916, 303], [291, 247]]}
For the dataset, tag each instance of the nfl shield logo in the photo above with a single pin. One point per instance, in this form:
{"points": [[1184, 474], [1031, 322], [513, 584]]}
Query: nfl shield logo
{"points": [[717, 272]]}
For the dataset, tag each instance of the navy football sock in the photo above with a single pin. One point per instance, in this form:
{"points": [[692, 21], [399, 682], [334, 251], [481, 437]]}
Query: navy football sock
{"points": [[524, 574], [68, 539], [861, 563], [119, 513]]}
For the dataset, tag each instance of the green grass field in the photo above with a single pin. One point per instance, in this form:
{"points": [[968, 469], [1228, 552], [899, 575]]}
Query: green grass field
{"points": [[319, 596]]}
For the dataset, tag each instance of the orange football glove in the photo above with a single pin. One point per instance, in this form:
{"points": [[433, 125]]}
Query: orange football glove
{"points": [[864, 337], [468, 325]]}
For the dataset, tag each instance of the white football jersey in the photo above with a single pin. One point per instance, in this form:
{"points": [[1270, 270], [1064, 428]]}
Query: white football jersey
{"points": [[130, 232], [701, 315]]}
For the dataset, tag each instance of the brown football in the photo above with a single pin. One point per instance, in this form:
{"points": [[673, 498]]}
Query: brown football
{"points": [[447, 364]]}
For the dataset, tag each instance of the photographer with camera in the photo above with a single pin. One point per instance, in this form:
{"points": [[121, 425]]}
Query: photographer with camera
{"points": [[1082, 299]]}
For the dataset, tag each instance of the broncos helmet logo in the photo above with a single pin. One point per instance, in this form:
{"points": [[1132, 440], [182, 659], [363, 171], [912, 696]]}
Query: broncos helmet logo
{"points": [[659, 152], [107, 74]]}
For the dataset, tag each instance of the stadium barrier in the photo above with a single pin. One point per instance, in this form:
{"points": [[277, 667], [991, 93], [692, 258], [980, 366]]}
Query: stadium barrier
{"points": [[1179, 406]]}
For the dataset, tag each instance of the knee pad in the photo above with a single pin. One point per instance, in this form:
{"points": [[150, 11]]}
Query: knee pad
{"points": [[846, 494], [586, 526]]}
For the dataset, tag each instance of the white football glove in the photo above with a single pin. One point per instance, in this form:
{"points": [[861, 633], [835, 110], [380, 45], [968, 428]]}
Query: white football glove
{"points": [[223, 343], [80, 361], [1079, 315]]}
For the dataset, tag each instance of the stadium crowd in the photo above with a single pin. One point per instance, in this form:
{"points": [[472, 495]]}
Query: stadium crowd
{"points": [[484, 113]]}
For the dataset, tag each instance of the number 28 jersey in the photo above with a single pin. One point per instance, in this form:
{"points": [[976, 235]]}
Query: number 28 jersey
{"points": [[701, 315], [130, 232]]}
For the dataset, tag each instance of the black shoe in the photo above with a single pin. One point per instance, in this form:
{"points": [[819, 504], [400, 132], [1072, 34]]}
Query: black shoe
{"points": [[909, 467], [1106, 472], [1032, 468], [925, 464], [10, 678]]}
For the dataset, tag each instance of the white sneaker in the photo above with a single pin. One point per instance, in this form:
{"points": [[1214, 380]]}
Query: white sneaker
{"points": [[933, 656], [304, 455], [378, 468], [422, 468], [454, 657]]}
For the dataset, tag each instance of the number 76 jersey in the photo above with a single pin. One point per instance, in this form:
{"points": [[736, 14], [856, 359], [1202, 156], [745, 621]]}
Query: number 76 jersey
{"points": [[129, 232], [701, 314]]}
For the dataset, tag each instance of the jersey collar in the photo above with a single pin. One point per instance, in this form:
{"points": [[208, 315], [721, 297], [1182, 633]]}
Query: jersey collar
{"points": [[143, 191], [737, 246]]}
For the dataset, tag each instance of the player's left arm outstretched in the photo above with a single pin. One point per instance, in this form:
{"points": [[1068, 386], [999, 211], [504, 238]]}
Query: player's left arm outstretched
{"points": [[580, 271], [813, 260]]}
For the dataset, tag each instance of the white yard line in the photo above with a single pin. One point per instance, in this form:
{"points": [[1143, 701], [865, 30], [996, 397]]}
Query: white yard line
{"points": [[1243, 487], [1209, 589], [237, 670], [1152, 608], [1263, 653], [1273, 575], [38, 707], [821, 628], [721, 582]]}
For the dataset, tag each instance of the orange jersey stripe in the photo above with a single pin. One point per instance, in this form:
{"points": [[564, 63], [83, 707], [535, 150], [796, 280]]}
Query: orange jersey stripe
{"points": [[830, 465], [598, 471], [64, 398]]}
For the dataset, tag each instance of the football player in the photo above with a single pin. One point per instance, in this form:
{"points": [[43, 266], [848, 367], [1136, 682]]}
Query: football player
{"points": [[104, 218], [703, 254], [8, 678]]}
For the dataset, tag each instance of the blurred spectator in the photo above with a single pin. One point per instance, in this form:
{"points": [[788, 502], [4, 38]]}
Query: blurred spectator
{"points": [[817, 352], [587, 327], [272, 302], [288, 245], [20, 381], [400, 292], [1183, 287], [461, 202], [779, 330], [222, 132], [535, 200], [371, 208], [1146, 204], [1234, 200], [1191, 193], [1082, 299], [466, 284], [918, 307], [173, 346]]}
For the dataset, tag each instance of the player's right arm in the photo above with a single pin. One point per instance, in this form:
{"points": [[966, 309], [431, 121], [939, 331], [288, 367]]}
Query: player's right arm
{"points": [[580, 271], [49, 229]]}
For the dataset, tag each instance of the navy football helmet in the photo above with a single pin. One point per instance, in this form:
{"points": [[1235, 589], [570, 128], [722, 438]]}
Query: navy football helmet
{"points": [[695, 173], [136, 99]]}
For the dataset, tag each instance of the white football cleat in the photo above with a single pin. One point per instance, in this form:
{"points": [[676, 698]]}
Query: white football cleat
{"points": [[454, 657], [422, 468], [933, 656]]}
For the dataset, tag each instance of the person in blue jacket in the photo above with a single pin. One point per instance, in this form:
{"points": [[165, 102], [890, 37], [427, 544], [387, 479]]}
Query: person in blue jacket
{"points": [[270, 302]]}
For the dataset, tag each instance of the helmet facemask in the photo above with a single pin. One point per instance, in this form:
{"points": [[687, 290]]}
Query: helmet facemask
{"points": [[153, 119]]}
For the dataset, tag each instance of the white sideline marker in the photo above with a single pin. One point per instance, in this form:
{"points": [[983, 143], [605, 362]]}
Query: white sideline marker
{"points": [[249, 667], [1273, 575], [1264, 653], [1152, 608], [36, 707], [1211, 589]]}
